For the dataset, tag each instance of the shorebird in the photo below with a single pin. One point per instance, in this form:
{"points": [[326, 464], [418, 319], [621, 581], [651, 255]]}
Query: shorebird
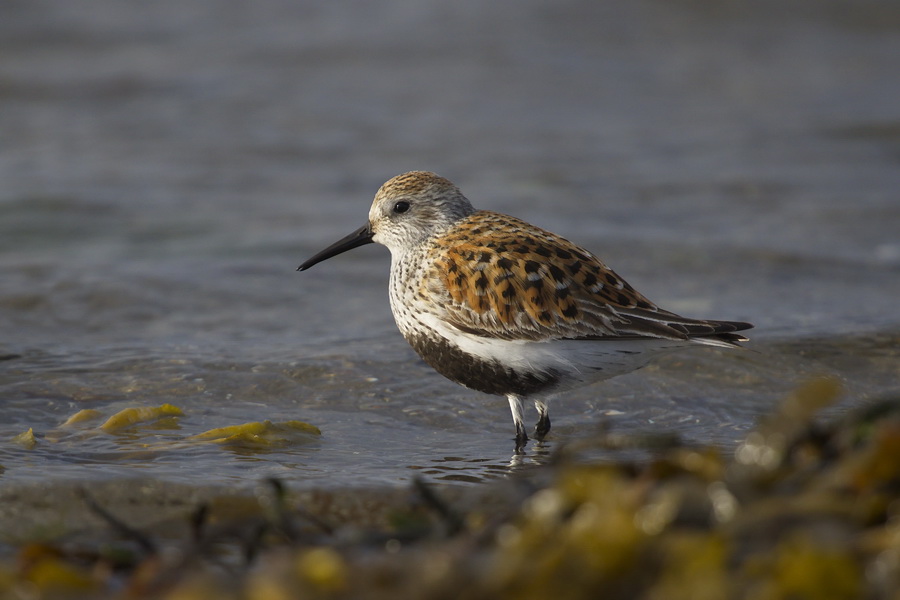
{"points": [[503, 307]]}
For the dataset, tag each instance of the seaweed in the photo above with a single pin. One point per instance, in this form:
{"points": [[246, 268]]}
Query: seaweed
{"points": [[803, 509]]}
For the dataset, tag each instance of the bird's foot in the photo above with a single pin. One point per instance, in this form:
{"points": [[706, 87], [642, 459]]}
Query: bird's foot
{"points": [[542, 428], [521, 440]]}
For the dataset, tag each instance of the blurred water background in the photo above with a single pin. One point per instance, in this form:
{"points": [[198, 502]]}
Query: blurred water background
{"points": [[165, 166]]}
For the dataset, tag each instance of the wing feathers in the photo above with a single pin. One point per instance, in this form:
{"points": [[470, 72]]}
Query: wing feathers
{"points": [[499, 277]]}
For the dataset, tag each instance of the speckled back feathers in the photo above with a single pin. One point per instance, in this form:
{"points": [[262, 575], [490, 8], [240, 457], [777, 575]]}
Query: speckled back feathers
{"points": [[498, 276], [517, 279]]}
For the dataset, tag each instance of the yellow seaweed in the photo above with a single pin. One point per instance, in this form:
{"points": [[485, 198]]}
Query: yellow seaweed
{"points": [[324, 569], [82, 415], [801, 567], [132, 416], [259, 433], [26, 439], [694, 567], [46, 568]]}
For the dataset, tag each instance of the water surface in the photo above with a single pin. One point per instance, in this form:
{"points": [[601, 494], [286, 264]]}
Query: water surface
{"points": [[165, 167]]}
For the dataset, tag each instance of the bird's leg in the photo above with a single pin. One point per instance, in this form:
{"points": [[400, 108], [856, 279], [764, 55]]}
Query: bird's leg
{"points": [[543, 425], [515, 406]]}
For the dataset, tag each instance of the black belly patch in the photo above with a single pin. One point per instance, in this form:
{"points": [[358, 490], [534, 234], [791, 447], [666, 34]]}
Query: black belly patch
{"points": [[488, 376]]}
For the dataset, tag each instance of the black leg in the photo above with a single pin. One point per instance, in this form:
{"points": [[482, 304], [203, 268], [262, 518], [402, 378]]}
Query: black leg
{"points": [[515, 406], [521, 438], [543, 427]]}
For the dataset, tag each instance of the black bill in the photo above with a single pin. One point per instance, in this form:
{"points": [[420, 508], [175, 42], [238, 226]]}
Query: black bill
{"points": [[360, 237]]}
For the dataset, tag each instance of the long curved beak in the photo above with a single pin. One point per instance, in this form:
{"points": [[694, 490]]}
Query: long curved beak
{"points": [[360, 237]]}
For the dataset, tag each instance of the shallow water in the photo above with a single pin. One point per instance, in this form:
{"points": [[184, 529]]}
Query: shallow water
{"points": [[165, 167]]}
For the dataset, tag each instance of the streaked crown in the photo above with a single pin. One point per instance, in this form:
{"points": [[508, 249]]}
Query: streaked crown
{"points": [[412, 208]]}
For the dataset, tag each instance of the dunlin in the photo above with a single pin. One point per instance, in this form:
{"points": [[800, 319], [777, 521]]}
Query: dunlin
{"points": [[504, 307]]}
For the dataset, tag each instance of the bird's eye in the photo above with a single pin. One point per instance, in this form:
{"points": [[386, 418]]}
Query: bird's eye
{"points": [[401, 207]]}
